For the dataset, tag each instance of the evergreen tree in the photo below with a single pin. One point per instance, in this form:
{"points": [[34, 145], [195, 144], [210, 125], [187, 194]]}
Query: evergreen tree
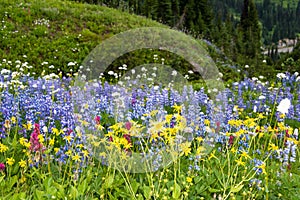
{"points": [[250, 30]]}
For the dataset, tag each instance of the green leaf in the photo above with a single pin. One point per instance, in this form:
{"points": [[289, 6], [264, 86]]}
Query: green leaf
{"points": [[176, 192], [236, 188], [11, 182], [147, 192], [73, 192], [38, 194], [108, 182], [82, 187], [135, 186], [212, 190]]}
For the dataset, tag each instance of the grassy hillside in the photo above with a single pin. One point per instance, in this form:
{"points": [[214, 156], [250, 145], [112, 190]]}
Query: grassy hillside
{"points": [[57, 32]]}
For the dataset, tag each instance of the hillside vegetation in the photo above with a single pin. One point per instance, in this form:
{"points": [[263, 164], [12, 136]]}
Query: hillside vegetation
{"points": [[45, 33]]}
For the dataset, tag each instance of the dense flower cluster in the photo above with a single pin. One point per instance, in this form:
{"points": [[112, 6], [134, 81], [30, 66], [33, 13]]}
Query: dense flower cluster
{"points": [[54, 121]]}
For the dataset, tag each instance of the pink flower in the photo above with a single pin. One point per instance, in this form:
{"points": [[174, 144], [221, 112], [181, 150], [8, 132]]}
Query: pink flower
{"points": [[97, 119], [35, 145], [2, 167], [128, 125]]}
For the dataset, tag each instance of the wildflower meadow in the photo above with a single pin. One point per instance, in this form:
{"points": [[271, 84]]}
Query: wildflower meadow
{"points": [[132, 133], [248, 149]]}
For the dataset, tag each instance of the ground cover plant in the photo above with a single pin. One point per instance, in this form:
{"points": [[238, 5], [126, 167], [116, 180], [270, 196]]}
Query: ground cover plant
{"points": [[135, 139]]}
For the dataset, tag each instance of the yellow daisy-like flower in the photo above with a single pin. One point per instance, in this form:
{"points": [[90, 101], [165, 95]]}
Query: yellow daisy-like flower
{"points": [[56, 150], [23, 179], [28, 126], [10, 161], [13, 120], [41, 138], [212, 155], [272, 147], [199, 139], [69, 152], [189, 179], [3, 148], [51, 141], [245, 155], [85, 153], [153, 113], [168, 118], [240, 162], [200, 150], [68, 138], [22, 163], [206, 122], [76, 157], [177, 108], [102, 154], [233, 150], [186, 148], [156, 126], [23, 141]]}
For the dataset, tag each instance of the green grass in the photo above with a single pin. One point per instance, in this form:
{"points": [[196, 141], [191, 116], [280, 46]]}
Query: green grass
{"points": [[67, 34]]}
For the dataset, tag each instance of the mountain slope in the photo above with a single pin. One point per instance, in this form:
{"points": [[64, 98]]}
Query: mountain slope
{"points": [[57, 32]]}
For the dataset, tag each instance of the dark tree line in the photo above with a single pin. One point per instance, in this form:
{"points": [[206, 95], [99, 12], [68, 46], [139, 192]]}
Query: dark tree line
{"points": [[198, 18], [238, 27], [278, 20]]}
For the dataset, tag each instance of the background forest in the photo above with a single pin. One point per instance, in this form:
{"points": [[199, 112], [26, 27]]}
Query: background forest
{"points": [[238, 30]]}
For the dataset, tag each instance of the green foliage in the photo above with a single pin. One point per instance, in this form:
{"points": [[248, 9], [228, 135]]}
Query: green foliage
{"points": [[58, 32]]}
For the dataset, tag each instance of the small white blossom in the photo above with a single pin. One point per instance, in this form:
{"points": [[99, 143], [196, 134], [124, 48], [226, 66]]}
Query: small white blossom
{"points": [[284, 106]]}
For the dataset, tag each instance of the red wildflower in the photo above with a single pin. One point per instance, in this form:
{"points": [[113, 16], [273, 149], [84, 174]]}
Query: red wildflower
{"points": [[97, 119], [2, 167]]}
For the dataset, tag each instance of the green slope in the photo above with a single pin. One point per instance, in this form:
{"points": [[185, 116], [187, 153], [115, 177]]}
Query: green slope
{"points": [[57, 32]]}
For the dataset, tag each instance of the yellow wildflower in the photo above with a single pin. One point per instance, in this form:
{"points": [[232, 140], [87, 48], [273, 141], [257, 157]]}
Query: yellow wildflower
{"points": [[76, 158], [3, 148], [245, 155], [23, 141], [212, 155], [22, 163], [186, 148], [68, 138], [51, 141], [10, 161], [55, 131], [199, 139], [206, 122], [240, 162], [28, 126], [85, 153], [13, 120], [189, 179], [200, 150], [177, 108], [69, 152], [263, 167], [56, 150], [272, 147], [168, 118], [41, 138], [233, 150]]}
